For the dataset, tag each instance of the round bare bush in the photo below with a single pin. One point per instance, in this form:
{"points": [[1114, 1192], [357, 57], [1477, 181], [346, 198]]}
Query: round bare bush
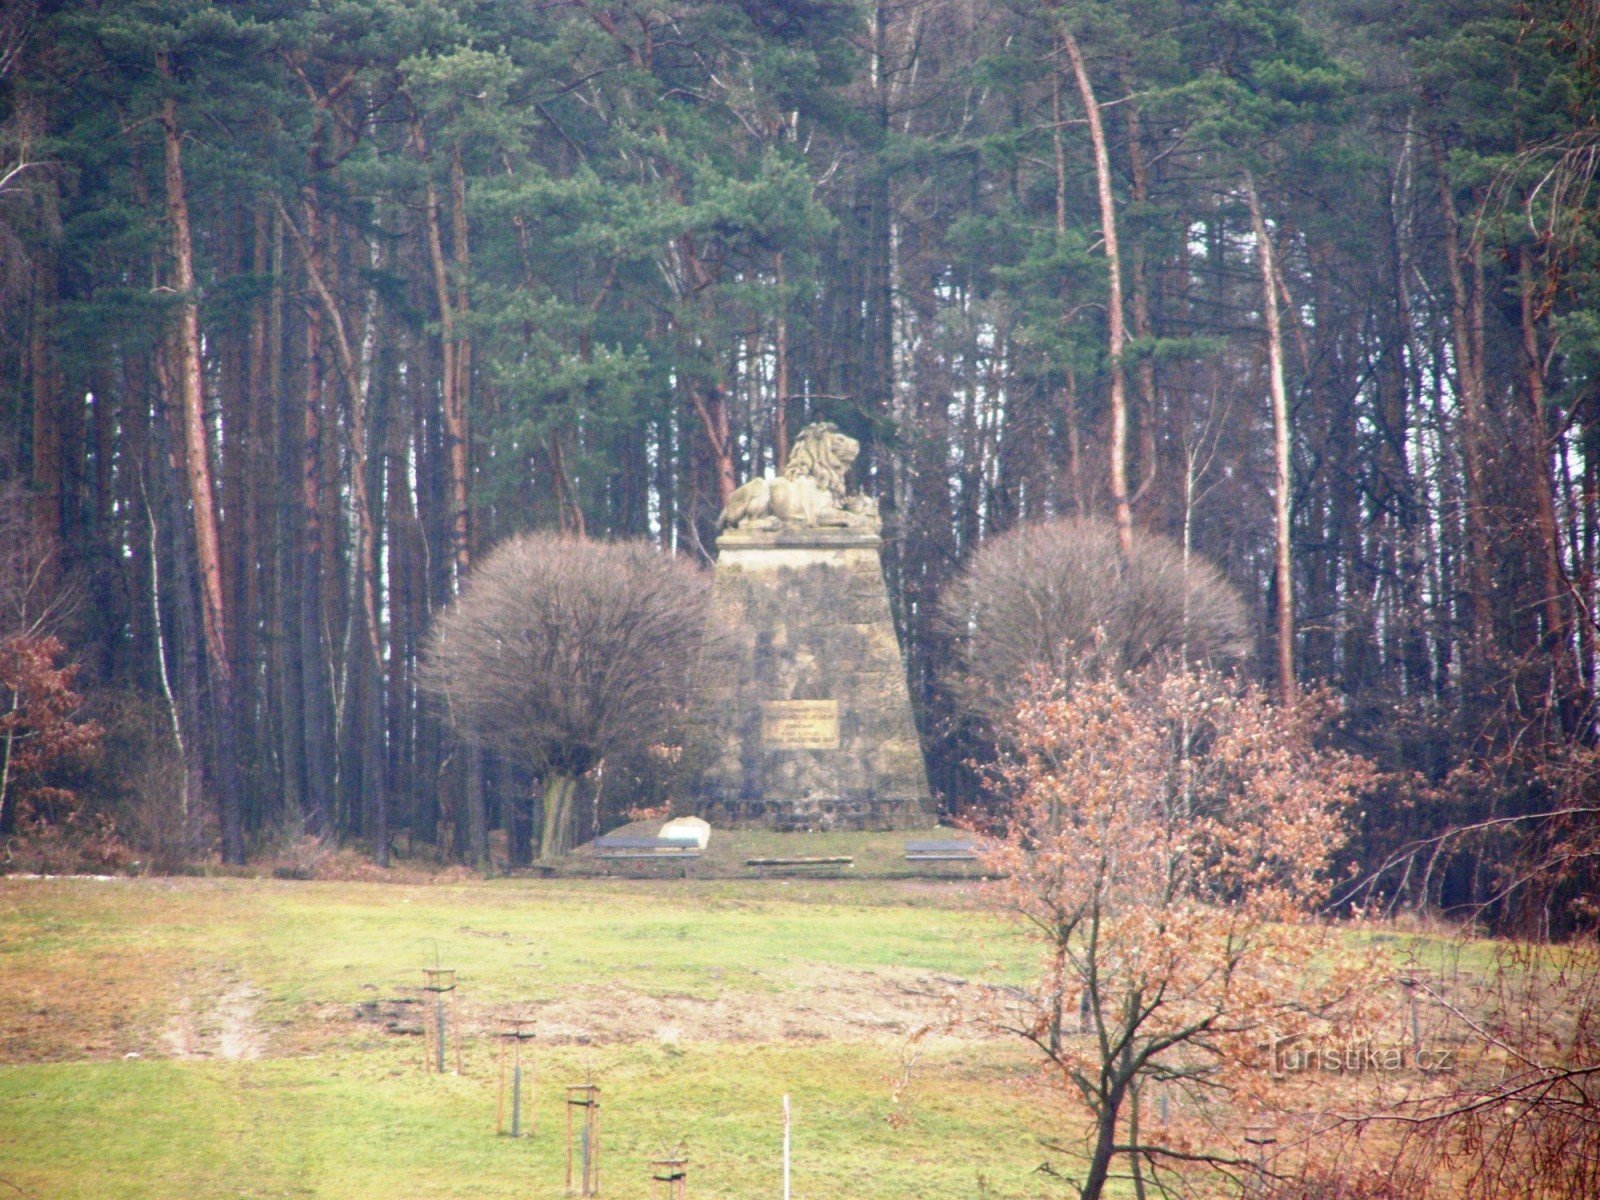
{"points": [[561, 651], [1059, 597]]}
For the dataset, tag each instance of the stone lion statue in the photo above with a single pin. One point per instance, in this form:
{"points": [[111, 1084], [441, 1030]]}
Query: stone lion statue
{"points": [[811, 490]]}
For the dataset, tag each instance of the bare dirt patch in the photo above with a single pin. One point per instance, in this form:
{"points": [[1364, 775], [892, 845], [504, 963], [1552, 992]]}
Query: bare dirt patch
{"points": [[216, 1024], [820, 1004]]}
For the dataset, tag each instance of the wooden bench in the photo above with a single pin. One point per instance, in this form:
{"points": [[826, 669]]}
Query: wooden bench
{"points": [[808, 863], [646, 847], [942, 850]]}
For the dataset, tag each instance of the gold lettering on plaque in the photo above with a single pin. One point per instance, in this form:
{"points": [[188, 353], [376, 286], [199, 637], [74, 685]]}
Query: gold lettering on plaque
{"points": [[800, 724]]}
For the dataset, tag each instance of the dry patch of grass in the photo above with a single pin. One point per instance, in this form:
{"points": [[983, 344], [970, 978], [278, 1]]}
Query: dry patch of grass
{"points": [[275, 1028], [101, 969]]}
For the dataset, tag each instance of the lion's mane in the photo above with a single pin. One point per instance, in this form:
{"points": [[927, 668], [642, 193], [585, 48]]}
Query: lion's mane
{"points": [[823, 454]]}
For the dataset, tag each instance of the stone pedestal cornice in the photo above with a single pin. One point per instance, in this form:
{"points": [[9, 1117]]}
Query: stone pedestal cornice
{"points": [[797, 537]]}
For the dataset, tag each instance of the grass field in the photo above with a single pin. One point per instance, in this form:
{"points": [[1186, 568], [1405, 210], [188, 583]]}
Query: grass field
{"points": [[254, 1038], [243, 1037]]}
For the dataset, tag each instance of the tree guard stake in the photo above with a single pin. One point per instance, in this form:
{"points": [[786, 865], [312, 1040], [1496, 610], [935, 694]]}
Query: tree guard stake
{"points": [[672, 1173], [517, 1082], [437, 1024], [583, 1150]]}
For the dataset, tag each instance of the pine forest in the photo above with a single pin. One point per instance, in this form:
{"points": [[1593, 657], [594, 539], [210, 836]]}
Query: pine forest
{"points": [[310, 304]]}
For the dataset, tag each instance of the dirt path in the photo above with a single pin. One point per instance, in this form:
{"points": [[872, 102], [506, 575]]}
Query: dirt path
{"points": [[221, 1025]]}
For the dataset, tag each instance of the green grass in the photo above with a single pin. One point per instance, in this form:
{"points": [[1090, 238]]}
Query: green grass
{"points": [[91, 971], [354, 1126], [323, 942], [99, 1096]]}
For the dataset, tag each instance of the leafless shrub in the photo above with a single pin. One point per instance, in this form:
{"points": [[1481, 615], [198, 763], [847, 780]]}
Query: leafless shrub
{"points": [[562, 651], [1518, 1112], [138, 780], [34, 599], [1059, 596]]}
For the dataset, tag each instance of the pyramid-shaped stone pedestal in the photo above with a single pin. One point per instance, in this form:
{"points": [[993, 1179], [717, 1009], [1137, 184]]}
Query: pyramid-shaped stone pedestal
{"points": [[804, 714]]}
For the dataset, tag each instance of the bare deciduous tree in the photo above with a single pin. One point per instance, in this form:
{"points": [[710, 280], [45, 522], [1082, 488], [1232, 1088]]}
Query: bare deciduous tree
{"points": [[1519, 1115], [1060, 596], [561, 651], [34, 600]]}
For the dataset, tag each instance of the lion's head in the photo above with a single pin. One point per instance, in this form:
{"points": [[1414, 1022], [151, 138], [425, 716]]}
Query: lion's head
{"points": [[823, 454]]}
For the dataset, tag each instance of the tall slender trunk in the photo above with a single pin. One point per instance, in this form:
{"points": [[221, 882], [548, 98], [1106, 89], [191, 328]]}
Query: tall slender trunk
{"points": [[163, 675], [1282, 497], [1069, 397], [1145, 368], [284, 463], [780, 400], [1058, 144], [1069, 388], [355, 373], [456, 350], [405, 605], [460, 445], [316, 702], [232, 348], [453, 348], [171, 538], [457, 433], [201, 498], [8, 740], [879, 385], [1117, 337], [1404, 390], [251, 451], [1589, 507], [711, 403], [1557, 637], [1467, 344], [45, 387]]}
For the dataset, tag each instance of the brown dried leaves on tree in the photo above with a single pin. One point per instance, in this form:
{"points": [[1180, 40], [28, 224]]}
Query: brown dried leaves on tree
{"points": [[561, 651], [1167, 838], [38, 728]]}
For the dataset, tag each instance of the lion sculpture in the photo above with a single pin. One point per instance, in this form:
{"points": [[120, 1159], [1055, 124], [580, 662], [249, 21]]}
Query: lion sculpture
{"points": [[810, 491]]}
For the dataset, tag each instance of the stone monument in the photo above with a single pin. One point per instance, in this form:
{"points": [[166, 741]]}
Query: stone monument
{"points": [[804, 711]]}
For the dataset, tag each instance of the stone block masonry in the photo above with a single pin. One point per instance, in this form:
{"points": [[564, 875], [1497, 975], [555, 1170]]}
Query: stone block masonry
{"points": [[804, 720]]}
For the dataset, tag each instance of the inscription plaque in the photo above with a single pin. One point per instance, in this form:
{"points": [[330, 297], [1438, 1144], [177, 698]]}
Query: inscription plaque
{"points": [[800, 724]]}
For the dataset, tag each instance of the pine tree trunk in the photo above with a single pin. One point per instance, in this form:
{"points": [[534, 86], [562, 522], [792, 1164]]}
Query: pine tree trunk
{"points": [[201, 497], [780, 399], [1145, 368], [45, 393], [1281, 500], [1557, 637], [1116, 331], [315, 674], [280, 461], [1469, 393], [453, 377]]}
